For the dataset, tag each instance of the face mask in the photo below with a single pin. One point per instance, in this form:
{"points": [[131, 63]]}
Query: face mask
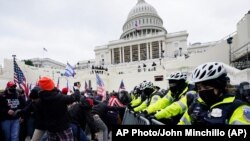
{"points": [[12, 90], [148, 91], [173, 89], [209, 97]]}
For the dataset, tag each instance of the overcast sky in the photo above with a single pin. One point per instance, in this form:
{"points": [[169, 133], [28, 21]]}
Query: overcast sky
{"points": [[71, 29]]}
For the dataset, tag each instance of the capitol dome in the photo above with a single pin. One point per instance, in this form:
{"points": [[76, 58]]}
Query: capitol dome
{"points": [[142, 19]]}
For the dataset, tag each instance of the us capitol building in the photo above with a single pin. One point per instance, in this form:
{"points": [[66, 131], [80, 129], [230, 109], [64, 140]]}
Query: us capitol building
{"points": [[146, 51]]}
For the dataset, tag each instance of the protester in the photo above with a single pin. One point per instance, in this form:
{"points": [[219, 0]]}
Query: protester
{"points": [[10, 102], [53, 109]]}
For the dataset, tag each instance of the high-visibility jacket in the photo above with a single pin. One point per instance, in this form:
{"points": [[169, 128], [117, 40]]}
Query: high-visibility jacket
{"points": [[176, 108], [133, 96], [153, 99], [164, 101], [136, 102], [223, 112]]}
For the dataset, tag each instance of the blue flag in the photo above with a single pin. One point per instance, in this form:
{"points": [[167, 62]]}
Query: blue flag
{"points": [[69, 71]]}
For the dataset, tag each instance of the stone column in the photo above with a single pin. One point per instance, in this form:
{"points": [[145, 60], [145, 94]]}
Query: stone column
{"points": [[131, 54], [139, 53], [150, 48], [120, 55], [159, 43]]}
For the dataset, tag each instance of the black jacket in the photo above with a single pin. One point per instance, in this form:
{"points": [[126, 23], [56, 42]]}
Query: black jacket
{"points": [[31, 111], [81, 115], [52, 107], [10, 102]]}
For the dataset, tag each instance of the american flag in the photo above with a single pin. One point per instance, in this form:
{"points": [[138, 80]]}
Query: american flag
{"points": [[100, 87], [20, 79], [122, 87]]}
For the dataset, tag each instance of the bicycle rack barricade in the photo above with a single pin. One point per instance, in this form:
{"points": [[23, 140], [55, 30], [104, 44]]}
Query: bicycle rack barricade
{"points": [[156, 122], [142, 121], [131, 118], [128, 118]]}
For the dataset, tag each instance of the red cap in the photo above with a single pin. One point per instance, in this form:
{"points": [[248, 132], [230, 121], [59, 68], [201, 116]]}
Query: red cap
{"points": [[11, 84], [46, 83], [65, 90], [90, 101]]}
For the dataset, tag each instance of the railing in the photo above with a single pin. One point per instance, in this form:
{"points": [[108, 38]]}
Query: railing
{"points": [[132, 118], [241, 64], [156, 122]]}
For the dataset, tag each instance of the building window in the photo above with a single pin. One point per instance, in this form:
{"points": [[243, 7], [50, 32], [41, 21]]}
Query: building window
{"points": [[116, 56], [155, 50], [127, 53], [158, 78], [143, 51], [149, 50], [135, 52], [102, 61]]}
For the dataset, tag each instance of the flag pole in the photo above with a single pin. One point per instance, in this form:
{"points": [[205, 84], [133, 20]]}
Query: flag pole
{"points": [[14, 59], [43, 57]]}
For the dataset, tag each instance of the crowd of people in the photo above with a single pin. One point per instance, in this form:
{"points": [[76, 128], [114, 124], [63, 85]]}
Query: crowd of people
{"points": [[59, 115]]}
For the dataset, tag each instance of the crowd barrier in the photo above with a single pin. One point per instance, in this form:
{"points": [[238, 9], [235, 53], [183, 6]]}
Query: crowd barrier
{"points": [[131, 118], [156, 122]]}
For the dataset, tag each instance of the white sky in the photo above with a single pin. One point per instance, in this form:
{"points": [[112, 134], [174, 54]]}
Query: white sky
{"points": [[71, 29]]}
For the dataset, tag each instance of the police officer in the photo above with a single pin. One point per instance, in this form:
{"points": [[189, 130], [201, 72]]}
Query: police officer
{"points": [[214, 105], [149, 95], [174, 103], [136, 97]]}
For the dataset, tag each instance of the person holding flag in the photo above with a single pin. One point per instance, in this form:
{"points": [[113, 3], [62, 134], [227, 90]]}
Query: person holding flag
{"points": [[19, 78]]}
